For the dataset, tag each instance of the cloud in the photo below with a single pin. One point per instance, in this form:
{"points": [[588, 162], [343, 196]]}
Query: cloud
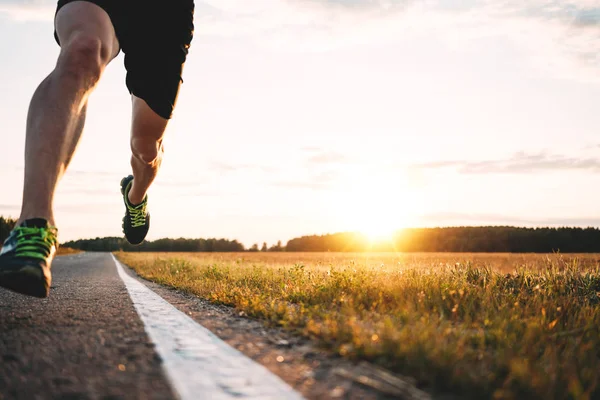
{"points": [[28, 10], [454, 219], [558, 33], [325, 169], [311, 185], [323, 180], [221, 167], [96, 192], [520, 162], [324, 157], [561, 37], [93, 174], [10, 208]]}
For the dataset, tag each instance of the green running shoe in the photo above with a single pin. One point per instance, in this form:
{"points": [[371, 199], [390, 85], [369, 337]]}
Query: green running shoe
{"points": [[26, 257], [136, 222]]}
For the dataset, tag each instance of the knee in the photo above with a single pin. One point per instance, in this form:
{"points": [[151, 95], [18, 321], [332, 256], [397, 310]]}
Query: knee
{"points": [[148, 151], [83, 58]]}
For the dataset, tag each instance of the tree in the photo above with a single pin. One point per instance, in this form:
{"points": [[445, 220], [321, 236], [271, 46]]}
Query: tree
{"points": [[6, 225], [254, 247], [264, 247], [277, 247]]}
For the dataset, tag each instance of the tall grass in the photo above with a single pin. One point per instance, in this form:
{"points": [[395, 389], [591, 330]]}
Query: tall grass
{"points": [[464, 327]]}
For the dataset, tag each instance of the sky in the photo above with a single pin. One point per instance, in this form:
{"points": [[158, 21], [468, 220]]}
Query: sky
{"points": [[301, 117]]}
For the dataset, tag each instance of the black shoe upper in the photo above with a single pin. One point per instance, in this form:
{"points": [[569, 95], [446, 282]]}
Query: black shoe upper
{"points": [[136, 221], [26, 258]]}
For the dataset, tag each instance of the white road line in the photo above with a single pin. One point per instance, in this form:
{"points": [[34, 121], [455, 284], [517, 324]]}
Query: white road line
{"points": [[198, 364]]}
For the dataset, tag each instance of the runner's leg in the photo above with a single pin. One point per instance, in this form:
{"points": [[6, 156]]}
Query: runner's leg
{"points": [[57, 111], [147, 130], [157, 48]]}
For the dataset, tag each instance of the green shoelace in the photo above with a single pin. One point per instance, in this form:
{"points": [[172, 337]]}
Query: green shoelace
{"points": [[138, 214], [35, 242]]}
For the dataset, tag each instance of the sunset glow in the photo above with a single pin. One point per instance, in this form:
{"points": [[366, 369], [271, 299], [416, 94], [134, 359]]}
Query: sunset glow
{"points": [[378, 203], [308, 117]]}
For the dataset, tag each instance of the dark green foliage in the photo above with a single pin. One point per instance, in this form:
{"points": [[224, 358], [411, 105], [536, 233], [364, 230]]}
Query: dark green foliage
{"points": [[276, 247], [496, 239], [166, 245], [6, 225]]}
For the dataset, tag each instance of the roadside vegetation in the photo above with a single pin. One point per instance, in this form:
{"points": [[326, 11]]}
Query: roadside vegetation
{"points": [[477, 325], [65, 251]]}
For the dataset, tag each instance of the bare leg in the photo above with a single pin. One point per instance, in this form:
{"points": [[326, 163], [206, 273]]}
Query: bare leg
{"points": [[57, 111], [147, 130]]}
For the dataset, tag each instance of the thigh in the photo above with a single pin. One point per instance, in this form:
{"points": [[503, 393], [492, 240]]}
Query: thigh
{"points": [[84, 17], [146, 125], [156, 49]]}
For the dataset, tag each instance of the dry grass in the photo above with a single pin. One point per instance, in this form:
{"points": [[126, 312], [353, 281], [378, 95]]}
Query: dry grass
{"points": [[63, 251], [479, 325]]}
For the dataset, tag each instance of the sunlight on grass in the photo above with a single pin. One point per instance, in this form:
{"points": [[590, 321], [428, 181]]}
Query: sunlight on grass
{"points": [[457, 323], [63, 251]]}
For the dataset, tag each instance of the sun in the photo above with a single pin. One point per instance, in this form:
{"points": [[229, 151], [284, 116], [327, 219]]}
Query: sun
{"points": [[378, 233], [378, 206], [379, 226]]}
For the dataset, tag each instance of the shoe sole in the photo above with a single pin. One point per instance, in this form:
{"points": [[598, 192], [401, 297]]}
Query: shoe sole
{"points": [[28, 280]]}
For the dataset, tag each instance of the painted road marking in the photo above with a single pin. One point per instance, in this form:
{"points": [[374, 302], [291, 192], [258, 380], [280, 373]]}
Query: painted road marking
{"points": [[198, 364]]}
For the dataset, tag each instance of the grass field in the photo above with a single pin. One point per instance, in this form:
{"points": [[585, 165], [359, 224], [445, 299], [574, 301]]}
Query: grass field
{"points": [[64, 251], [477, 325]]}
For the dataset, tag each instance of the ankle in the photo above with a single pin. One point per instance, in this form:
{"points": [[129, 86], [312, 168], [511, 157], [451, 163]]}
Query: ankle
{"points": [[135, 198], [26, 216]]}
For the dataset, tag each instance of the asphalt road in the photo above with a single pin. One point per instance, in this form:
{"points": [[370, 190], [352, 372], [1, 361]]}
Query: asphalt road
{"points": [[85, 341]]}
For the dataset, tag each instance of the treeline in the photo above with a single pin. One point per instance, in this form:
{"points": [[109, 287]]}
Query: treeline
{"points": [[168, 245], [275, 247], [6, 225], [460, 239], [457, 239]]}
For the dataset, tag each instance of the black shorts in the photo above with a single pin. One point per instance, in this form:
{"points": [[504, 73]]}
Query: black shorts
{"points": [[155, 36]]}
